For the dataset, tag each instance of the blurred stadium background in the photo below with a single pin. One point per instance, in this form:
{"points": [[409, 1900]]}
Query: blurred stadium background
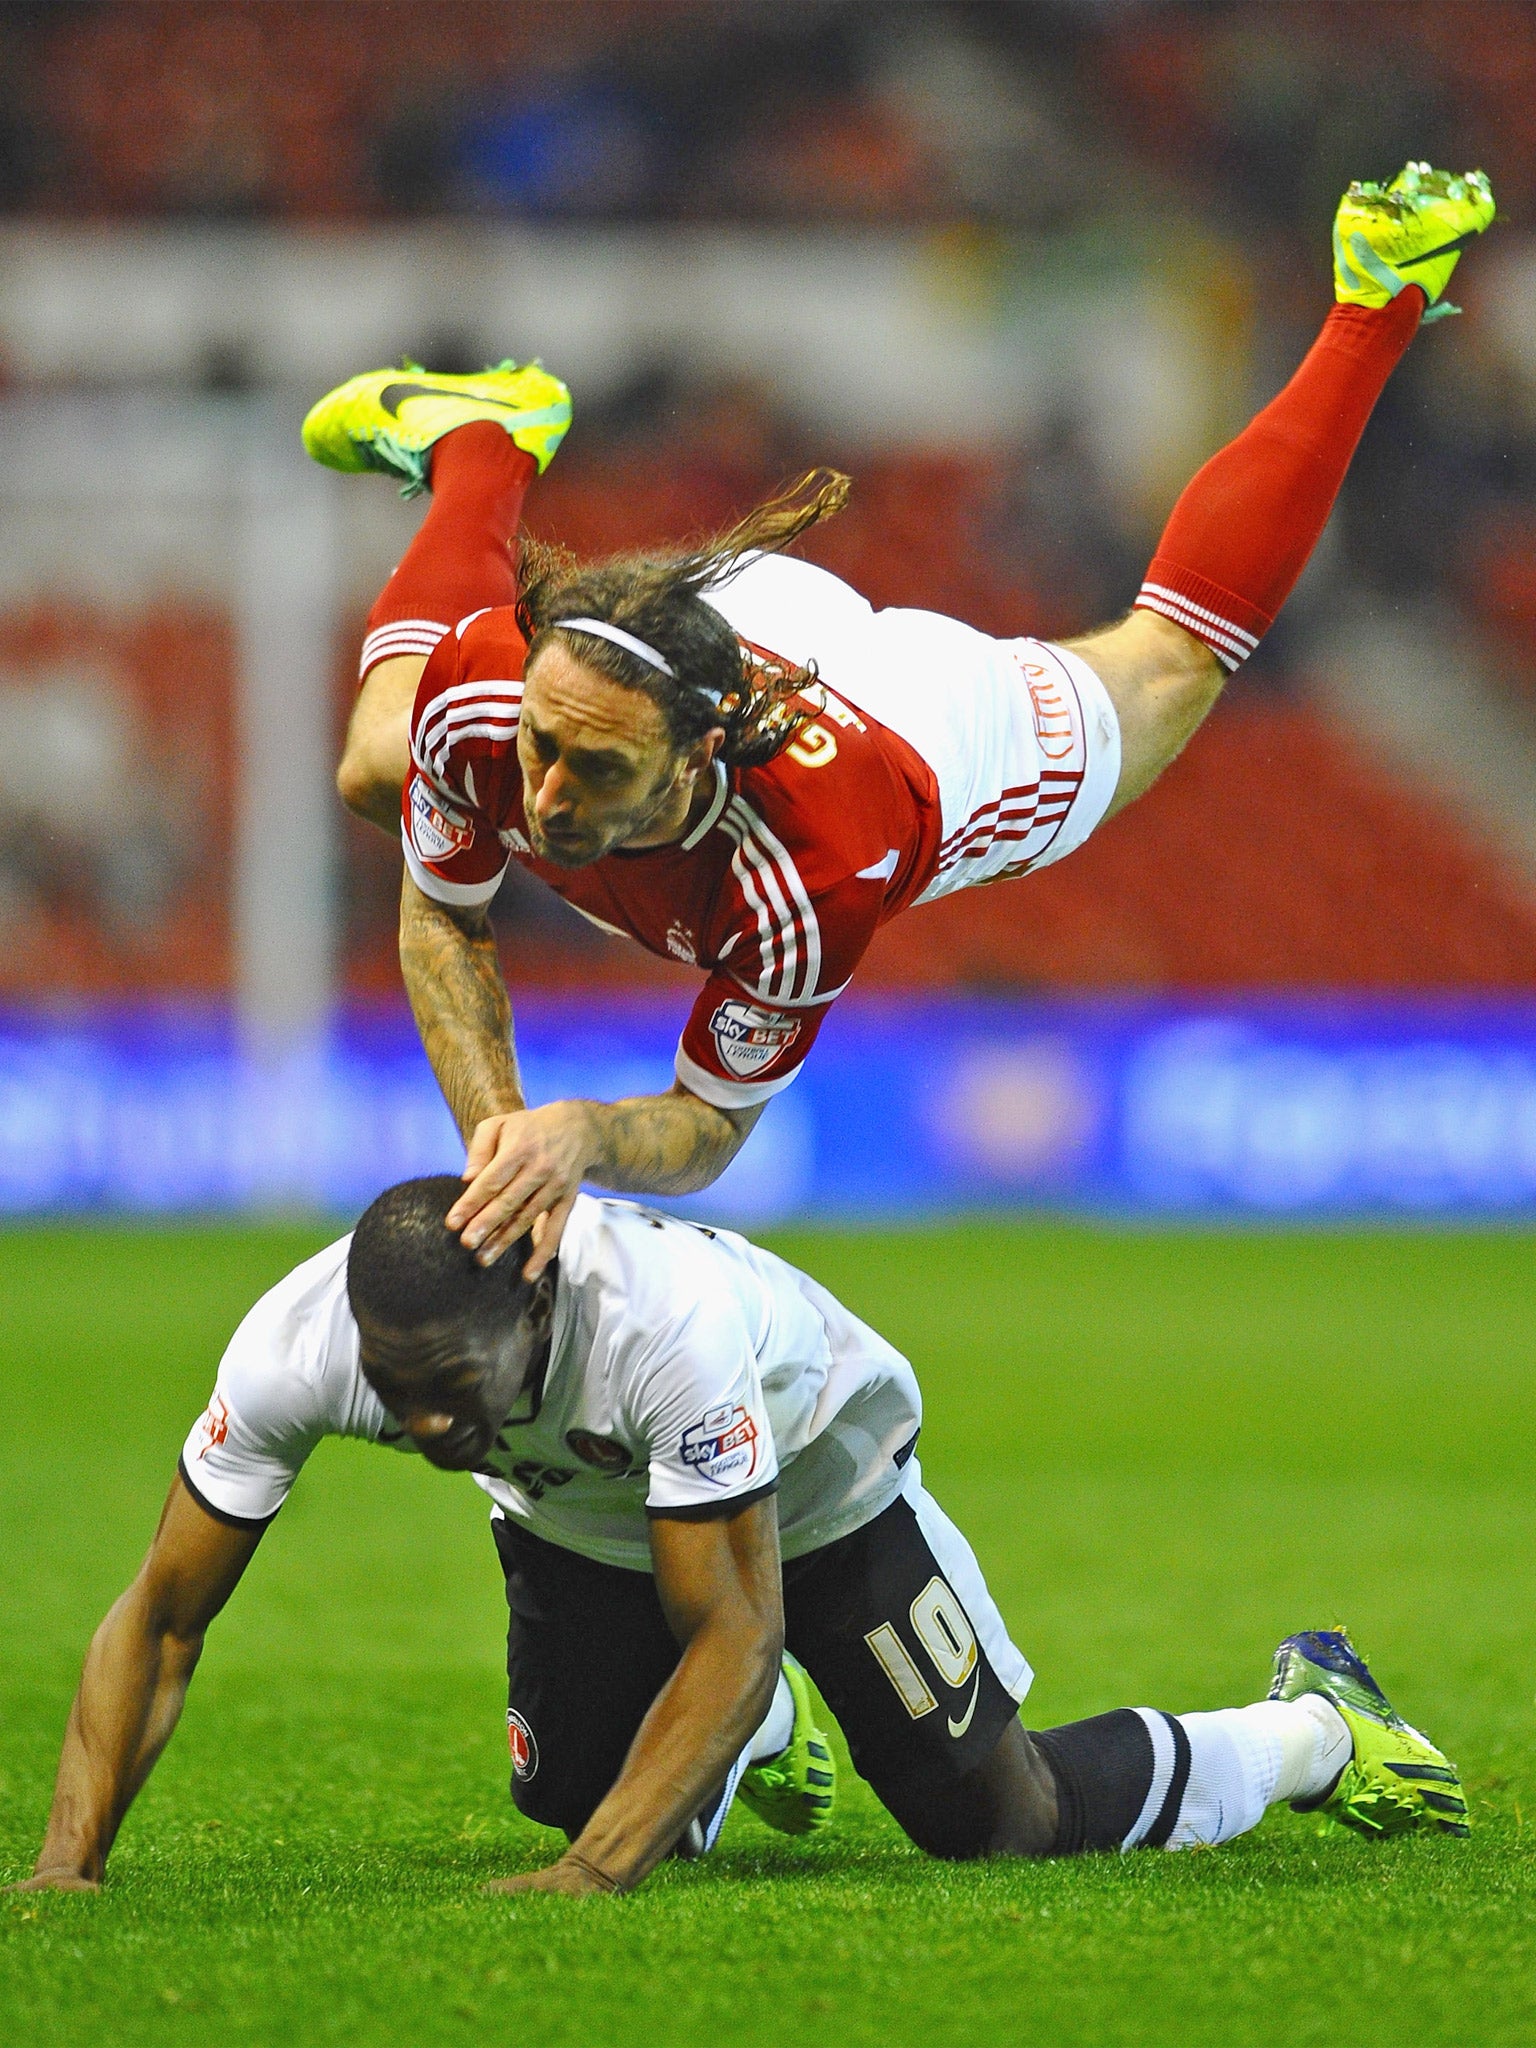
{"points": [[1019, 267]]}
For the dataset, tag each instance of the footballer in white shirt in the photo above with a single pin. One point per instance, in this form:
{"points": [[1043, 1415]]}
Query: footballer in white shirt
{"points": [[697, 1461]]}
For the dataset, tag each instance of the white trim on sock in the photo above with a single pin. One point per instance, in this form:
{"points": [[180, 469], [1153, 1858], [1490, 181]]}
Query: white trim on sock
{"points": [[1163, 1757]]}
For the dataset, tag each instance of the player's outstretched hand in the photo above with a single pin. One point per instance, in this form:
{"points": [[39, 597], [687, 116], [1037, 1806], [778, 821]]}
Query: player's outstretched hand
{"points": [[526, 1164], [570, 1876], [55, 1881]]}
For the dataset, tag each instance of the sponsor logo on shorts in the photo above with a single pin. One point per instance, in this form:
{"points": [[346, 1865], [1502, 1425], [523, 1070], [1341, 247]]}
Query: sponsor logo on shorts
{"points": [[525, 1751], [437, 830], [602, 1451], [722, 1446], [958, 1728], [214, 1426], [681, 943], [748, 1038]]}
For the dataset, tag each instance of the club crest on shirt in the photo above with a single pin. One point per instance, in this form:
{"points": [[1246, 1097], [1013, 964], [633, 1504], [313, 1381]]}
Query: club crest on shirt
{"points": [[525, 1751], [748, 1038], [437, 830], [214, 1426], [722, 1445], [609, 1457]]}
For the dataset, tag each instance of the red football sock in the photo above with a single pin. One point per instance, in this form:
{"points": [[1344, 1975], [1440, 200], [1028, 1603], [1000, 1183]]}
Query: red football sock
{"points": [[461, 560], [1241, 532]]}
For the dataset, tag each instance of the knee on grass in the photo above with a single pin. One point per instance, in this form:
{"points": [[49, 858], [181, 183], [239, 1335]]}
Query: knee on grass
{"points": [[1007, 1807]]}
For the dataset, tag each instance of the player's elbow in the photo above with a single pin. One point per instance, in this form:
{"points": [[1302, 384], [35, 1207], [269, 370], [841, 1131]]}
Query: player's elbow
{"points": [[765, 1629], [750, 1644], [156, 1627], [718, 1135]]}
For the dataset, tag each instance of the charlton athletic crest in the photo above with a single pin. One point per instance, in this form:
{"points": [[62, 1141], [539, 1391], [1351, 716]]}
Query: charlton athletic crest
{"points": [[525, 1751], [749, 1039]]}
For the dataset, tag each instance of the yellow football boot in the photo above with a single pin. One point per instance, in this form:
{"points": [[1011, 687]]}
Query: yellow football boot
{"points": [[389, 419], [796, 1791], [1395, 1779], [1409, 232]]}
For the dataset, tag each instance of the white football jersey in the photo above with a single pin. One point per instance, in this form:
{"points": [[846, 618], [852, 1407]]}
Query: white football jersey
{"points": [[688, 1368]]}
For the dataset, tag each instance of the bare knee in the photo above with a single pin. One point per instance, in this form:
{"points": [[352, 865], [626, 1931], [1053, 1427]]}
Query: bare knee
{"points": [[367, 788], [377, 754], [1162, 682]]}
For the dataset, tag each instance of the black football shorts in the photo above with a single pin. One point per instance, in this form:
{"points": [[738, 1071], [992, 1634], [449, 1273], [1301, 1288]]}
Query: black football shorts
{"points": [[920, 1680]]}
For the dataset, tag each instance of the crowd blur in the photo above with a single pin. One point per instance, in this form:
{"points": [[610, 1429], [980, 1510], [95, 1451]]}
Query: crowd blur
{"points": [[1040, 115], [1018, 110], [1004, 118]]}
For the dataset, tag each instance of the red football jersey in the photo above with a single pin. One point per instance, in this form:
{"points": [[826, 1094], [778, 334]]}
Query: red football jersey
{"points": [[775, 893]]}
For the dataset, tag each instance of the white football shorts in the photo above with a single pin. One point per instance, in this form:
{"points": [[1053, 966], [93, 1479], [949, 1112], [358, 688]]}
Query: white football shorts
{"points": [[1027, 752]]}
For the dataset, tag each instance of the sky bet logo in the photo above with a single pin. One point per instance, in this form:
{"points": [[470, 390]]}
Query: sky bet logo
{"points": [[749, 1039], [722, 1445]]}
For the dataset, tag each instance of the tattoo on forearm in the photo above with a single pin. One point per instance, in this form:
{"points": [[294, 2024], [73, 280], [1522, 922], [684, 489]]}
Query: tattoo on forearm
{"points": [[459, 1000], [665, 1144]]}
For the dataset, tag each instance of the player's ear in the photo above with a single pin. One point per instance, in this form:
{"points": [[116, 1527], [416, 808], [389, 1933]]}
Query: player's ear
{"points": [[704, 750], [540, 1309]]}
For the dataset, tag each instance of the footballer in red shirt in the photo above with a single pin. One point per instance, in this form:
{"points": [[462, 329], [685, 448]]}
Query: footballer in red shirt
{"points": [[729, 756]]}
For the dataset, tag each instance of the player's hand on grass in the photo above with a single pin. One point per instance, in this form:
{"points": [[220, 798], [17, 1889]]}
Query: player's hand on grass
{"points": [[523, 1165], [56, 1881], [571, 1876]]}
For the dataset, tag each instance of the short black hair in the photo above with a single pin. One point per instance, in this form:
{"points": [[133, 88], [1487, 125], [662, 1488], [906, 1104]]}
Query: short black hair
{"points": [[406, 1267]]}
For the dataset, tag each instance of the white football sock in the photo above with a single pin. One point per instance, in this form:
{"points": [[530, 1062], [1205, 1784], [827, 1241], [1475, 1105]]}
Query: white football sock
{"points": [[1244, 1759], [1316, 1742], [1233, 1766], [778, 1725]]}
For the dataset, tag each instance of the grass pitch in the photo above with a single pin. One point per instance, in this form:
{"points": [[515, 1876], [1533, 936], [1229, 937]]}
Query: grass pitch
{"points": [[1169, 1451]]}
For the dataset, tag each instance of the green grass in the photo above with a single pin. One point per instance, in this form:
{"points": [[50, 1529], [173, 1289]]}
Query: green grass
{"points": [[1169, 1451]]}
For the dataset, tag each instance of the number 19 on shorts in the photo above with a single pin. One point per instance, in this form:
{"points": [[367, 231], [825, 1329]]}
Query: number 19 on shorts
{"points": [[943, 1629]]}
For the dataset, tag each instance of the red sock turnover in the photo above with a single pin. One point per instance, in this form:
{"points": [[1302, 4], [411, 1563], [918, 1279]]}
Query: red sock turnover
{"points": [[461, 560], [1242, 531]]}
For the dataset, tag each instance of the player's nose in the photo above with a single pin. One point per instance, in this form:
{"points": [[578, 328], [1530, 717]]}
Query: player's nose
{"points": [[425, 1428], [555, 795]]}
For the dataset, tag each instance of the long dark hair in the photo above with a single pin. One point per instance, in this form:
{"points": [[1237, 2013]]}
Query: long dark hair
{"points": [[661, 600]]}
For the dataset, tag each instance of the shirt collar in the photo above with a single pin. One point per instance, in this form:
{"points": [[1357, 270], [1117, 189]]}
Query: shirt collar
{"points": [[716, 806]]}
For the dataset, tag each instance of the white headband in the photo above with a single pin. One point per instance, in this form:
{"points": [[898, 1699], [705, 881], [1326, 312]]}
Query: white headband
{"points": [[619, 638], [632, 645]]}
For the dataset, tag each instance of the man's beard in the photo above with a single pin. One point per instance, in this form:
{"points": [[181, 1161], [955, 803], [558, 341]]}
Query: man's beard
{"points": [[574, 854], [582, 852]]}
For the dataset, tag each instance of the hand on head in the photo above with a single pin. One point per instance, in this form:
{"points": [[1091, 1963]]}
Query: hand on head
{"points": [[523, 1169]]}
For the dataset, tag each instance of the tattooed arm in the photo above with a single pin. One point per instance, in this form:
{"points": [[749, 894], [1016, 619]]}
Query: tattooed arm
{"points": [[459, 1000], [524, 1163]]}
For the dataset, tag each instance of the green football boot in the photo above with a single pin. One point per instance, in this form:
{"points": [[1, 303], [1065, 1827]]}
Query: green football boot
{"points": [[1395, 1779], [796, 1790], [389, 419], [1409, 232]]}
